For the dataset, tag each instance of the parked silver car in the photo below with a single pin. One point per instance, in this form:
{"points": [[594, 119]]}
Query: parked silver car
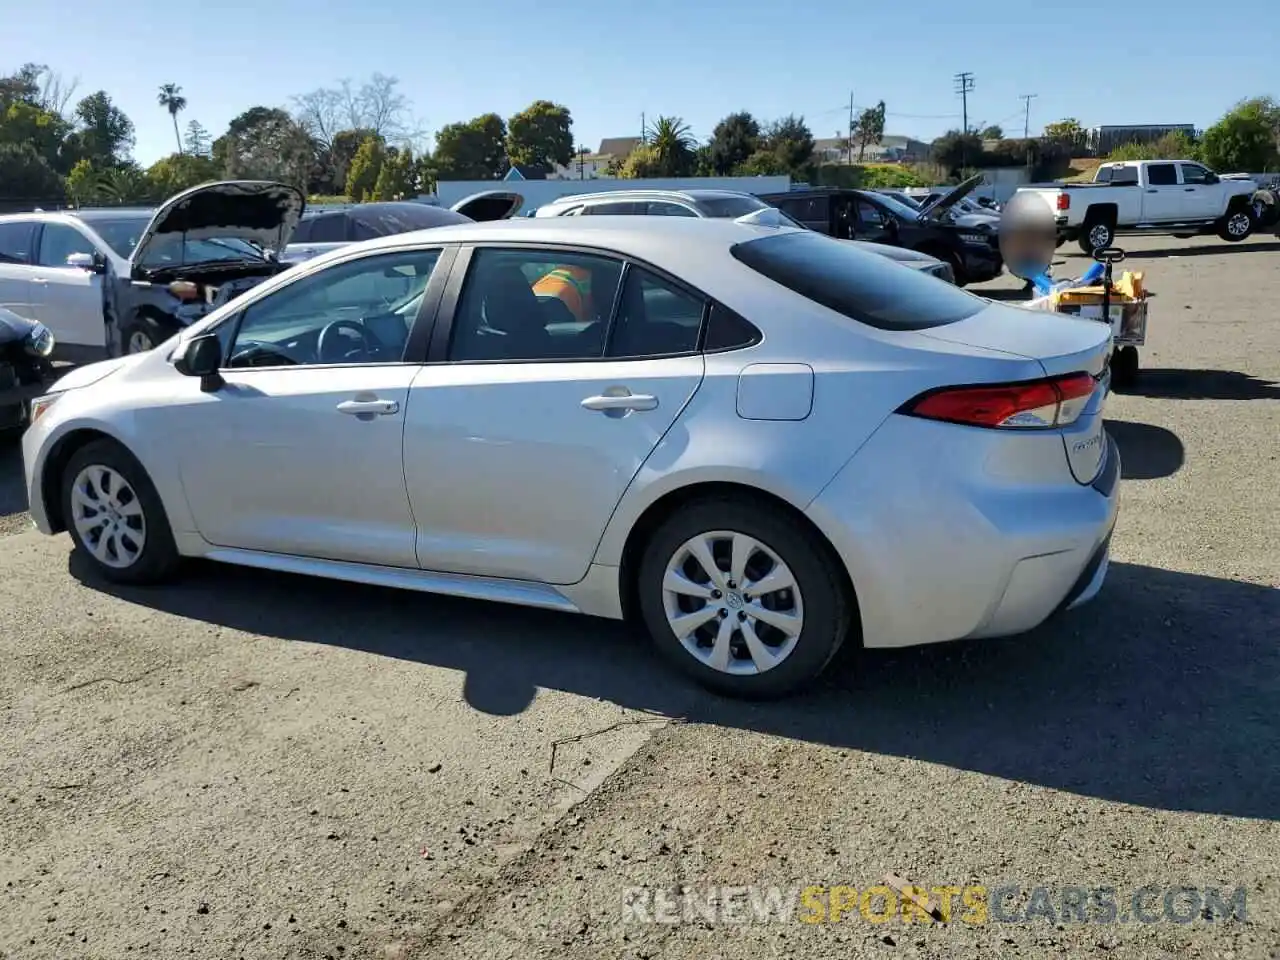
{"points": [[760, 441]]}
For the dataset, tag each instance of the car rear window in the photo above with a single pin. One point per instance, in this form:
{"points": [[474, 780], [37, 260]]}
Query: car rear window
{"points": [[729, 208], [863, 286]]}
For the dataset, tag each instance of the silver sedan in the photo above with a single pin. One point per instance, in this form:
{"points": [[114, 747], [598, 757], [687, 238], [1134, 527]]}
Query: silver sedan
{"points": [[761, 442]]}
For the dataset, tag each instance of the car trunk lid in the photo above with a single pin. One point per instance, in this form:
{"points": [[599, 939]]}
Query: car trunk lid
{"points": [[1061, 345]]}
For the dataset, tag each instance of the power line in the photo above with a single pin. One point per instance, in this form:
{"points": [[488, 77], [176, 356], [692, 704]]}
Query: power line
{"points": [[1026, 99]]}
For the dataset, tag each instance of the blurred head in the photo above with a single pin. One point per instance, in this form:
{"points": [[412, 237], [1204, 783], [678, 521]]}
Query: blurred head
{"points": [[1028, 235]]}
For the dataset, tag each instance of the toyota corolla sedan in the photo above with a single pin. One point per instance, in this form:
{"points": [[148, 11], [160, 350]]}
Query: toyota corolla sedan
{"points": [[761, 442]]}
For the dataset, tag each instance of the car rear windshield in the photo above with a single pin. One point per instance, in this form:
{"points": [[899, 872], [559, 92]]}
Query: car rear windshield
{"points": [[729, 208], [863, 286]]}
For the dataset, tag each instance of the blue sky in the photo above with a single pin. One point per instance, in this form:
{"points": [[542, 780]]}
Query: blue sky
{"points": [[611, 62]]}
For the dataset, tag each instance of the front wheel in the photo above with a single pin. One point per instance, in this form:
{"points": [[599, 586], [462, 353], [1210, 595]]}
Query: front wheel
{"points": [[115, 515], [1237, 225], [742, 599]]}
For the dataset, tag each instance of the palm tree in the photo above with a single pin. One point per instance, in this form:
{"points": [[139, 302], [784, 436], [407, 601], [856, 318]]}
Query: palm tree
{"points": [[171, 98], [673, 145]]}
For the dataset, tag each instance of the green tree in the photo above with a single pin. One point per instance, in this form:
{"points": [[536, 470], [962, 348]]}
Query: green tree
{"points": [[366, 165], [956, 151], [1067, 133], [641, 163], [541, 133], [124, 184], [105, 135], [791, 142], [170, 97], [26, 175], [396, 177], [734, 139], [197, 140], [992, 132], [23, 123], [180, 171], [336, 160], [82, 183], [1175, 145], [672, 145], [869, 128], [1245, 139], [266, 143], [475, 150], [762, 163]]}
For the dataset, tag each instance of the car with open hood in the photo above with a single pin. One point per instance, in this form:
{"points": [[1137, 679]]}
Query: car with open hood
{"points": [[25, 371], [972, 251], [116, 280]]}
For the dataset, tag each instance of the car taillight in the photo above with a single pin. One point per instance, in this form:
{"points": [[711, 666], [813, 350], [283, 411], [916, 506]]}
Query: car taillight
{"points": [[1064, 201], [1055, 402]]}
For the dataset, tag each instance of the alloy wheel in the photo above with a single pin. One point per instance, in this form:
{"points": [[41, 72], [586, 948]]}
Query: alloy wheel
{"points": [[139, 342], [1099, 236], [108, 517], [1238, 225], [732, 602]]}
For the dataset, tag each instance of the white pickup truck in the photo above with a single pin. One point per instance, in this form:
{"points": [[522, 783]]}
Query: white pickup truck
{"points": [[1175, 197]]}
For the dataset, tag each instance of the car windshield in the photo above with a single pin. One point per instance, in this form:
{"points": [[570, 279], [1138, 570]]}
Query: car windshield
{"points": [[122, 235], [729, 208], [898, 208], [768, 216], [862, 285]]}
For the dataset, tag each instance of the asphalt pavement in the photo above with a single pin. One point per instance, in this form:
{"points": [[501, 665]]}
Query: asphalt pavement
{"points": [[262, 766]]}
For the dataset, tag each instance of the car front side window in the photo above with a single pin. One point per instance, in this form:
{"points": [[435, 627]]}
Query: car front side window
{"points": [[15, 241], [58, 242], [358, 311]]}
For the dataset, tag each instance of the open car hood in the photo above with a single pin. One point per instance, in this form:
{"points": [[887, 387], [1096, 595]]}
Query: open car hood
{"points": [[262, 212], [489, 205], [949, 200]]}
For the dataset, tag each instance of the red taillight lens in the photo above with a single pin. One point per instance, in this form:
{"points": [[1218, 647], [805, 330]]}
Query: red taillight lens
{"points": [[1032, 404], [1064, 201]]}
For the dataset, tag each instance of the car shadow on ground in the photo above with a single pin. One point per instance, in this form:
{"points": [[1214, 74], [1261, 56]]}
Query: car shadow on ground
{"points": [[13, 489], [1175, 384], [1200, 250], [1161, 693], [1147, 452]]}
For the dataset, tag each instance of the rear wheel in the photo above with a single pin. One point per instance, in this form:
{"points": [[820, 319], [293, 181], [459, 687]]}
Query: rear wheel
{"points": [[742, 598], [115, 516], [1095, 235]]}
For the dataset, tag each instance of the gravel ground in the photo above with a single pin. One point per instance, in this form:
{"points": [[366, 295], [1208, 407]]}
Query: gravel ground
{"points": [[258, 766]]}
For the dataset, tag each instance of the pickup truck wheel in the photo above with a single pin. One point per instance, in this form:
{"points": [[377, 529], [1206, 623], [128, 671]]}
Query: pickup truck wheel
{"points": [[1237, 224], [1095, 235]]}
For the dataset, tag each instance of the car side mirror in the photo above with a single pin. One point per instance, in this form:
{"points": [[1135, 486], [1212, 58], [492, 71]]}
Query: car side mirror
{"points": [[202, 358], [1211, 178], [87, 261]]}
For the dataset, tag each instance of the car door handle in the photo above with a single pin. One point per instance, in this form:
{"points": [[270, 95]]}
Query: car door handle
{"points": [[39, 279], [628, 401], [1189, 189], [1153, 191], [357, 408]]}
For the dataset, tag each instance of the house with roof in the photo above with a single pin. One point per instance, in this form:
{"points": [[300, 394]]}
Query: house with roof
{"points": [[594, 166]]}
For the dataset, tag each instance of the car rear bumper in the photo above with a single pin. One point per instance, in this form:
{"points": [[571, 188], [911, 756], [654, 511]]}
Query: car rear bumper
{"points": [[938, 550]]}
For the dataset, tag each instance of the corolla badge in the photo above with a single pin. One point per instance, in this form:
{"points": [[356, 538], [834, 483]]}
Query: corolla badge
{"points": [[1084, 446]]}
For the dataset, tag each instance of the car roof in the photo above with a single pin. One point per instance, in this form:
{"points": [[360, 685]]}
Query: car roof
{"points": [[694, 195], [110, 213]]}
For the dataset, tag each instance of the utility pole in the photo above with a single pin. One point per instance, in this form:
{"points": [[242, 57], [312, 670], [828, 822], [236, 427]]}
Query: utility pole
{"points": [[850, 127], [1026, 98], [964, 86], [644, 130]]}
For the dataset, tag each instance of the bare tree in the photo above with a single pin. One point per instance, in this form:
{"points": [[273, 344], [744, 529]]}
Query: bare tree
{"points": [[376, 105]]}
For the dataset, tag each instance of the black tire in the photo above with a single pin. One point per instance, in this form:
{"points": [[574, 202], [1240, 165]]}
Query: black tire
{"points": [[1095, 234], [139, 329], [828, 610], [1238, 223], [158, 559], [1124, 367]]}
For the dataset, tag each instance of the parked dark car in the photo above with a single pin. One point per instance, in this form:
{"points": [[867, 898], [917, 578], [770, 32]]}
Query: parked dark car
{"points": [[25, 371], [972, 251]]}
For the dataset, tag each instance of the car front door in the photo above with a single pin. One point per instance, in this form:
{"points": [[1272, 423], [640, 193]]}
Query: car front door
{"points": [[1202, 199], [16, 238], [68, 300], [299, 452], [553, 379], [873, 223]]}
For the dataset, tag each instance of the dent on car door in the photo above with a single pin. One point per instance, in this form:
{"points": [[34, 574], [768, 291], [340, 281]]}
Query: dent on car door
{"points": [[545, 403], [16, 237], [299, 452], [68, 300]]}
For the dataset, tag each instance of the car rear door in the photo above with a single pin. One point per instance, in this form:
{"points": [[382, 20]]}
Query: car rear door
{"points": [[554, 374], [16, 242]]}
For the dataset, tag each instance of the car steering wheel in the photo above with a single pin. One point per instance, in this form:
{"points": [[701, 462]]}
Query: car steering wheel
{"points": [[329, 337]]}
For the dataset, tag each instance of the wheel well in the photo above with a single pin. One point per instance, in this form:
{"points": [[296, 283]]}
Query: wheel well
{"points": [[665, 506], [54, 466], [1101, 213]]}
